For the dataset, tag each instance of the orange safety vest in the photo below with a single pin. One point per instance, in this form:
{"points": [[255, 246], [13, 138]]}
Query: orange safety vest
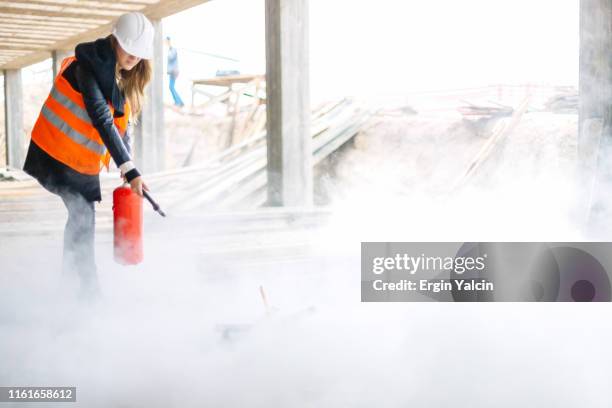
{"points": [[64, 129]]}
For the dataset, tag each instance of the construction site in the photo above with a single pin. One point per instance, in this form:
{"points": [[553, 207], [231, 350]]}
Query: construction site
{"points": [[248, 291]]}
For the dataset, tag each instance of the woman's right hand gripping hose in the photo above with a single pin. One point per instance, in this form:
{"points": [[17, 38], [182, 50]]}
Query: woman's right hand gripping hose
{"points": [[137, 185]]}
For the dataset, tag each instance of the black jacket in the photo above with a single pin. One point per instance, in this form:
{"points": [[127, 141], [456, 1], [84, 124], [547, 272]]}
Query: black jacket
{"points": [[93, 75]]}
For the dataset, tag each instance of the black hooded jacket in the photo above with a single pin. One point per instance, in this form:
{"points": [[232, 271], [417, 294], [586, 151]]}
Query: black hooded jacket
{"points": [[93, 75]]}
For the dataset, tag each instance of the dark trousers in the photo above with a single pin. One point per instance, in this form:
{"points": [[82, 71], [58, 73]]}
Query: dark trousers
{"points": [[79, 233]]}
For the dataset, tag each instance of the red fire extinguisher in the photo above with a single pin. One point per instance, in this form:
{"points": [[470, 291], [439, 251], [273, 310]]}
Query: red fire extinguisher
{"points": [[127, 226]]}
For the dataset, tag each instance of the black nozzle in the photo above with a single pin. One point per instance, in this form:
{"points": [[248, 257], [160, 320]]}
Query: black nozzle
{"points": [[153, 203]]}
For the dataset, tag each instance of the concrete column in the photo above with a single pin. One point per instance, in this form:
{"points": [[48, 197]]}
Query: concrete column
{"points": [[13, 118], [57, 56], [595, 111], [150, 142], [288, 103]]}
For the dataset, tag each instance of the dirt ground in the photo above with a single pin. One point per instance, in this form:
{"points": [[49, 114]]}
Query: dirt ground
{"points": [[407, 172], [430, 154]]}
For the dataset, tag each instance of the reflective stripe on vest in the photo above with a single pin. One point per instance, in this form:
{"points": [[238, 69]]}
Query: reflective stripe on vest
{"points": [[74, 108], [70, 132], [64, 129]]}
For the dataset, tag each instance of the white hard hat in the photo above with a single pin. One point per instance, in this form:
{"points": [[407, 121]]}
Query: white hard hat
{"points": [[134, 33]]}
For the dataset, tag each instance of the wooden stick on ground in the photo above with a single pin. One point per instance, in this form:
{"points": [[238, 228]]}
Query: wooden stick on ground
{"points": [[497, 136], [264, 298]]}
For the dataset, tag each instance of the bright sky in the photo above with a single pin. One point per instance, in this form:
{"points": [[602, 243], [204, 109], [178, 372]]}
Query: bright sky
{"points": [[392, 47]]}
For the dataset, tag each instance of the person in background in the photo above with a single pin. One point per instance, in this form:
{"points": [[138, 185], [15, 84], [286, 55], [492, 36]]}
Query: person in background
{"points": [[173, 72], [82, 124]]}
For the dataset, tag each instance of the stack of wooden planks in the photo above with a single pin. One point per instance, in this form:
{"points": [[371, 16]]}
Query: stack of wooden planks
{"points": [[234, 179]]}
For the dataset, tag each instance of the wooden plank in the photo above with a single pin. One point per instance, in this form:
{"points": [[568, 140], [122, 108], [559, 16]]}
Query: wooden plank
{"points": [[323, 118], [7, 57], [20, 41], [235, 111], [153, 10], [227, 80], [246, 176], [22, 47], [110, 5], [168, 7], [495, 139], [49, 10], [88, 21], [141, 1], [51, 36], [35, 25], [39, 28], [67, 44], [254, 123]]}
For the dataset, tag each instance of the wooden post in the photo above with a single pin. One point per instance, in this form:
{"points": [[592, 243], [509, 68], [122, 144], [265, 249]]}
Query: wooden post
{"points": [[150, 142], [13, 118], [595, 110], [289, 151], [57, 56]]}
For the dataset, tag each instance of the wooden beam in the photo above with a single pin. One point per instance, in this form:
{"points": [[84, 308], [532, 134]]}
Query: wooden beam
{"points": [[25, 19], [65, 44], [166, 8], [24, 47], [42, 10], [142, 1], [110, 5], [227, 80], [6, 57], [289, 149], [39, 27], [49, 35], [88, 21], [12, 40], [153, 10], [97, 21], [13, 52], [13, 118]]}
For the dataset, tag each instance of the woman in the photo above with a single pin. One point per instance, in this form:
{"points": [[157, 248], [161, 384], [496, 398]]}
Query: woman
{"points": [[83, 123]]}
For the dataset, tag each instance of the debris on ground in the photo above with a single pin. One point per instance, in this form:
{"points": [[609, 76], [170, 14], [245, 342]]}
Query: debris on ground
{"points": [[563, 103]]}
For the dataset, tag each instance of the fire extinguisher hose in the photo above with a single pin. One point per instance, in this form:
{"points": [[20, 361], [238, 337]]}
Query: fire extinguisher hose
{"points": [[153, 203]]}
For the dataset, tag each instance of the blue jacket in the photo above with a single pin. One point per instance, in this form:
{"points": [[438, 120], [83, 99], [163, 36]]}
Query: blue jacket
{"points": [[172, 66]]}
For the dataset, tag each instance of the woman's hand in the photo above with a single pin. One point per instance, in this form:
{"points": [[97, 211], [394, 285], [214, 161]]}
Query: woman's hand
{"points": [[137, 185]]}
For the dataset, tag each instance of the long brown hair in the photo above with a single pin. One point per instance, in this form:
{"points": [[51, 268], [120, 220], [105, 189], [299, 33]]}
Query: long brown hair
{"points": [[133, 82]]}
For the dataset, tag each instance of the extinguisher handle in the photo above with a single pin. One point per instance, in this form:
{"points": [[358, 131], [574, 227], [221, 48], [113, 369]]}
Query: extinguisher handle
{"points": [[153, 203]]}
